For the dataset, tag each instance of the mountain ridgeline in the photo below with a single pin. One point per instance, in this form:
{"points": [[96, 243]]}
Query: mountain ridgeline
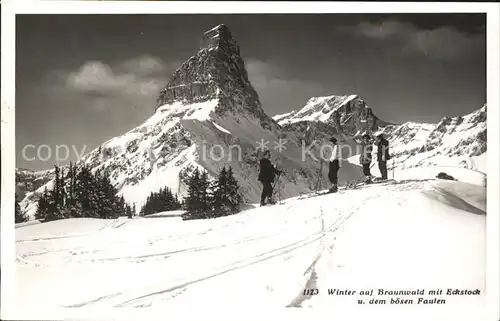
{"points": [[209, 116]]}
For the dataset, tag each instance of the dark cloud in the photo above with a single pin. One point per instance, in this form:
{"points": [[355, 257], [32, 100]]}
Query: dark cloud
{"points": [[446, 43]]}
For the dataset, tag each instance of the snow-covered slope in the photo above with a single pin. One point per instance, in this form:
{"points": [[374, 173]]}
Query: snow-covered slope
{"points": [[265, 257], [453, 142]]}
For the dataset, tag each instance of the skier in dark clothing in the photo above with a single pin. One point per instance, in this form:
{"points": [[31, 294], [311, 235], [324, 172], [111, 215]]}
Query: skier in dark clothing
{"points": [[266, 176], [334, 166], [365, 159], [382, 155]]}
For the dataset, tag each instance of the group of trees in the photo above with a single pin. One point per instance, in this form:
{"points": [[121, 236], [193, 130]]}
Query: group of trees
{"points": [[163, 200], [79, 193], [212, 198]]}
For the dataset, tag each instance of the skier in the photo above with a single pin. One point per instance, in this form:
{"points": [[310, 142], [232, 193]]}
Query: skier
{"points": [[334, 166], [266, 176], [382, 155], [365, 158]]}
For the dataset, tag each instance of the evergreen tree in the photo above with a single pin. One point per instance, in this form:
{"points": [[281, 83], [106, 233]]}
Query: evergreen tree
{"points": [[19, 217], [43, 206], [79, 193], [62, 205], [106, 196], [85, 192], [170, 201], [69, 198], [233, 195], [52, 212], [160, 201], [220, 207], [129, 210], [57, 186], [206, 195], [226, 195], [121, 205], [73, 185], [192, 201], [198, 203]]}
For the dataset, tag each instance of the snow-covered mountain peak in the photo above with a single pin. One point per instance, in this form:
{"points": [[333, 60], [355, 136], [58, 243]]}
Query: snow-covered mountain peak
{"points": [[348, 114], [216, 71]]}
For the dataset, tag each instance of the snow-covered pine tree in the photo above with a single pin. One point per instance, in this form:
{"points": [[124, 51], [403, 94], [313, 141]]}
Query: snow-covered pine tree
{"points": [[128, 210], [205, 195], [121, 206], [219, 203], [233, 195], [57, 186], [85, 192], [160, 201], [111, 198], [73, 185], [99, 193], [62, 192], [168, 200], [192, 202], [52, 212], [106, 196], [69, 199], [43, 206]]}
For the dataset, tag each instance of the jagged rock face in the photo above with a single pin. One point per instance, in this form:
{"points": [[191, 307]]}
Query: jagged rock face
{"points": [[348, 115], [338, 116], [458, 141], [216, 71]]}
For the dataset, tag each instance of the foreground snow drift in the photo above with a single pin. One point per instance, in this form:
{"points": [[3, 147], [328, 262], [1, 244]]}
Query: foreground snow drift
{"points": [[412, 235]]}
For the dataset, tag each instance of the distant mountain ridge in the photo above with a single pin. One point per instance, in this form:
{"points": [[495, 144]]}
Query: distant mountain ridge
{"points": [[454, 141]]}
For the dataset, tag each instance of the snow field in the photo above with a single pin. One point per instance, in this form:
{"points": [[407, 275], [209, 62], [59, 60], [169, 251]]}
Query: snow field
{"points": [[402, 236]]}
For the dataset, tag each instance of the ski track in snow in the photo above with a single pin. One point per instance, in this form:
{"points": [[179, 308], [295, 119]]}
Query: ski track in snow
{"points": [[226, 268], [299, 236]]}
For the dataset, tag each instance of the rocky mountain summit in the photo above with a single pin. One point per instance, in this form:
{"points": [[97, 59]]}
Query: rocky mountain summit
{"points": [[346, 115], [216, 71]]}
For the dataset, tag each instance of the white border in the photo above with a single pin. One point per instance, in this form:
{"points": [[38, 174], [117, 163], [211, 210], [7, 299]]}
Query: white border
{"points": [[12, 7]]}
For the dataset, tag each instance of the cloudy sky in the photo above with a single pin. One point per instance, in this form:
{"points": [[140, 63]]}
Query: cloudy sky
{"points": [[83, 79]]}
